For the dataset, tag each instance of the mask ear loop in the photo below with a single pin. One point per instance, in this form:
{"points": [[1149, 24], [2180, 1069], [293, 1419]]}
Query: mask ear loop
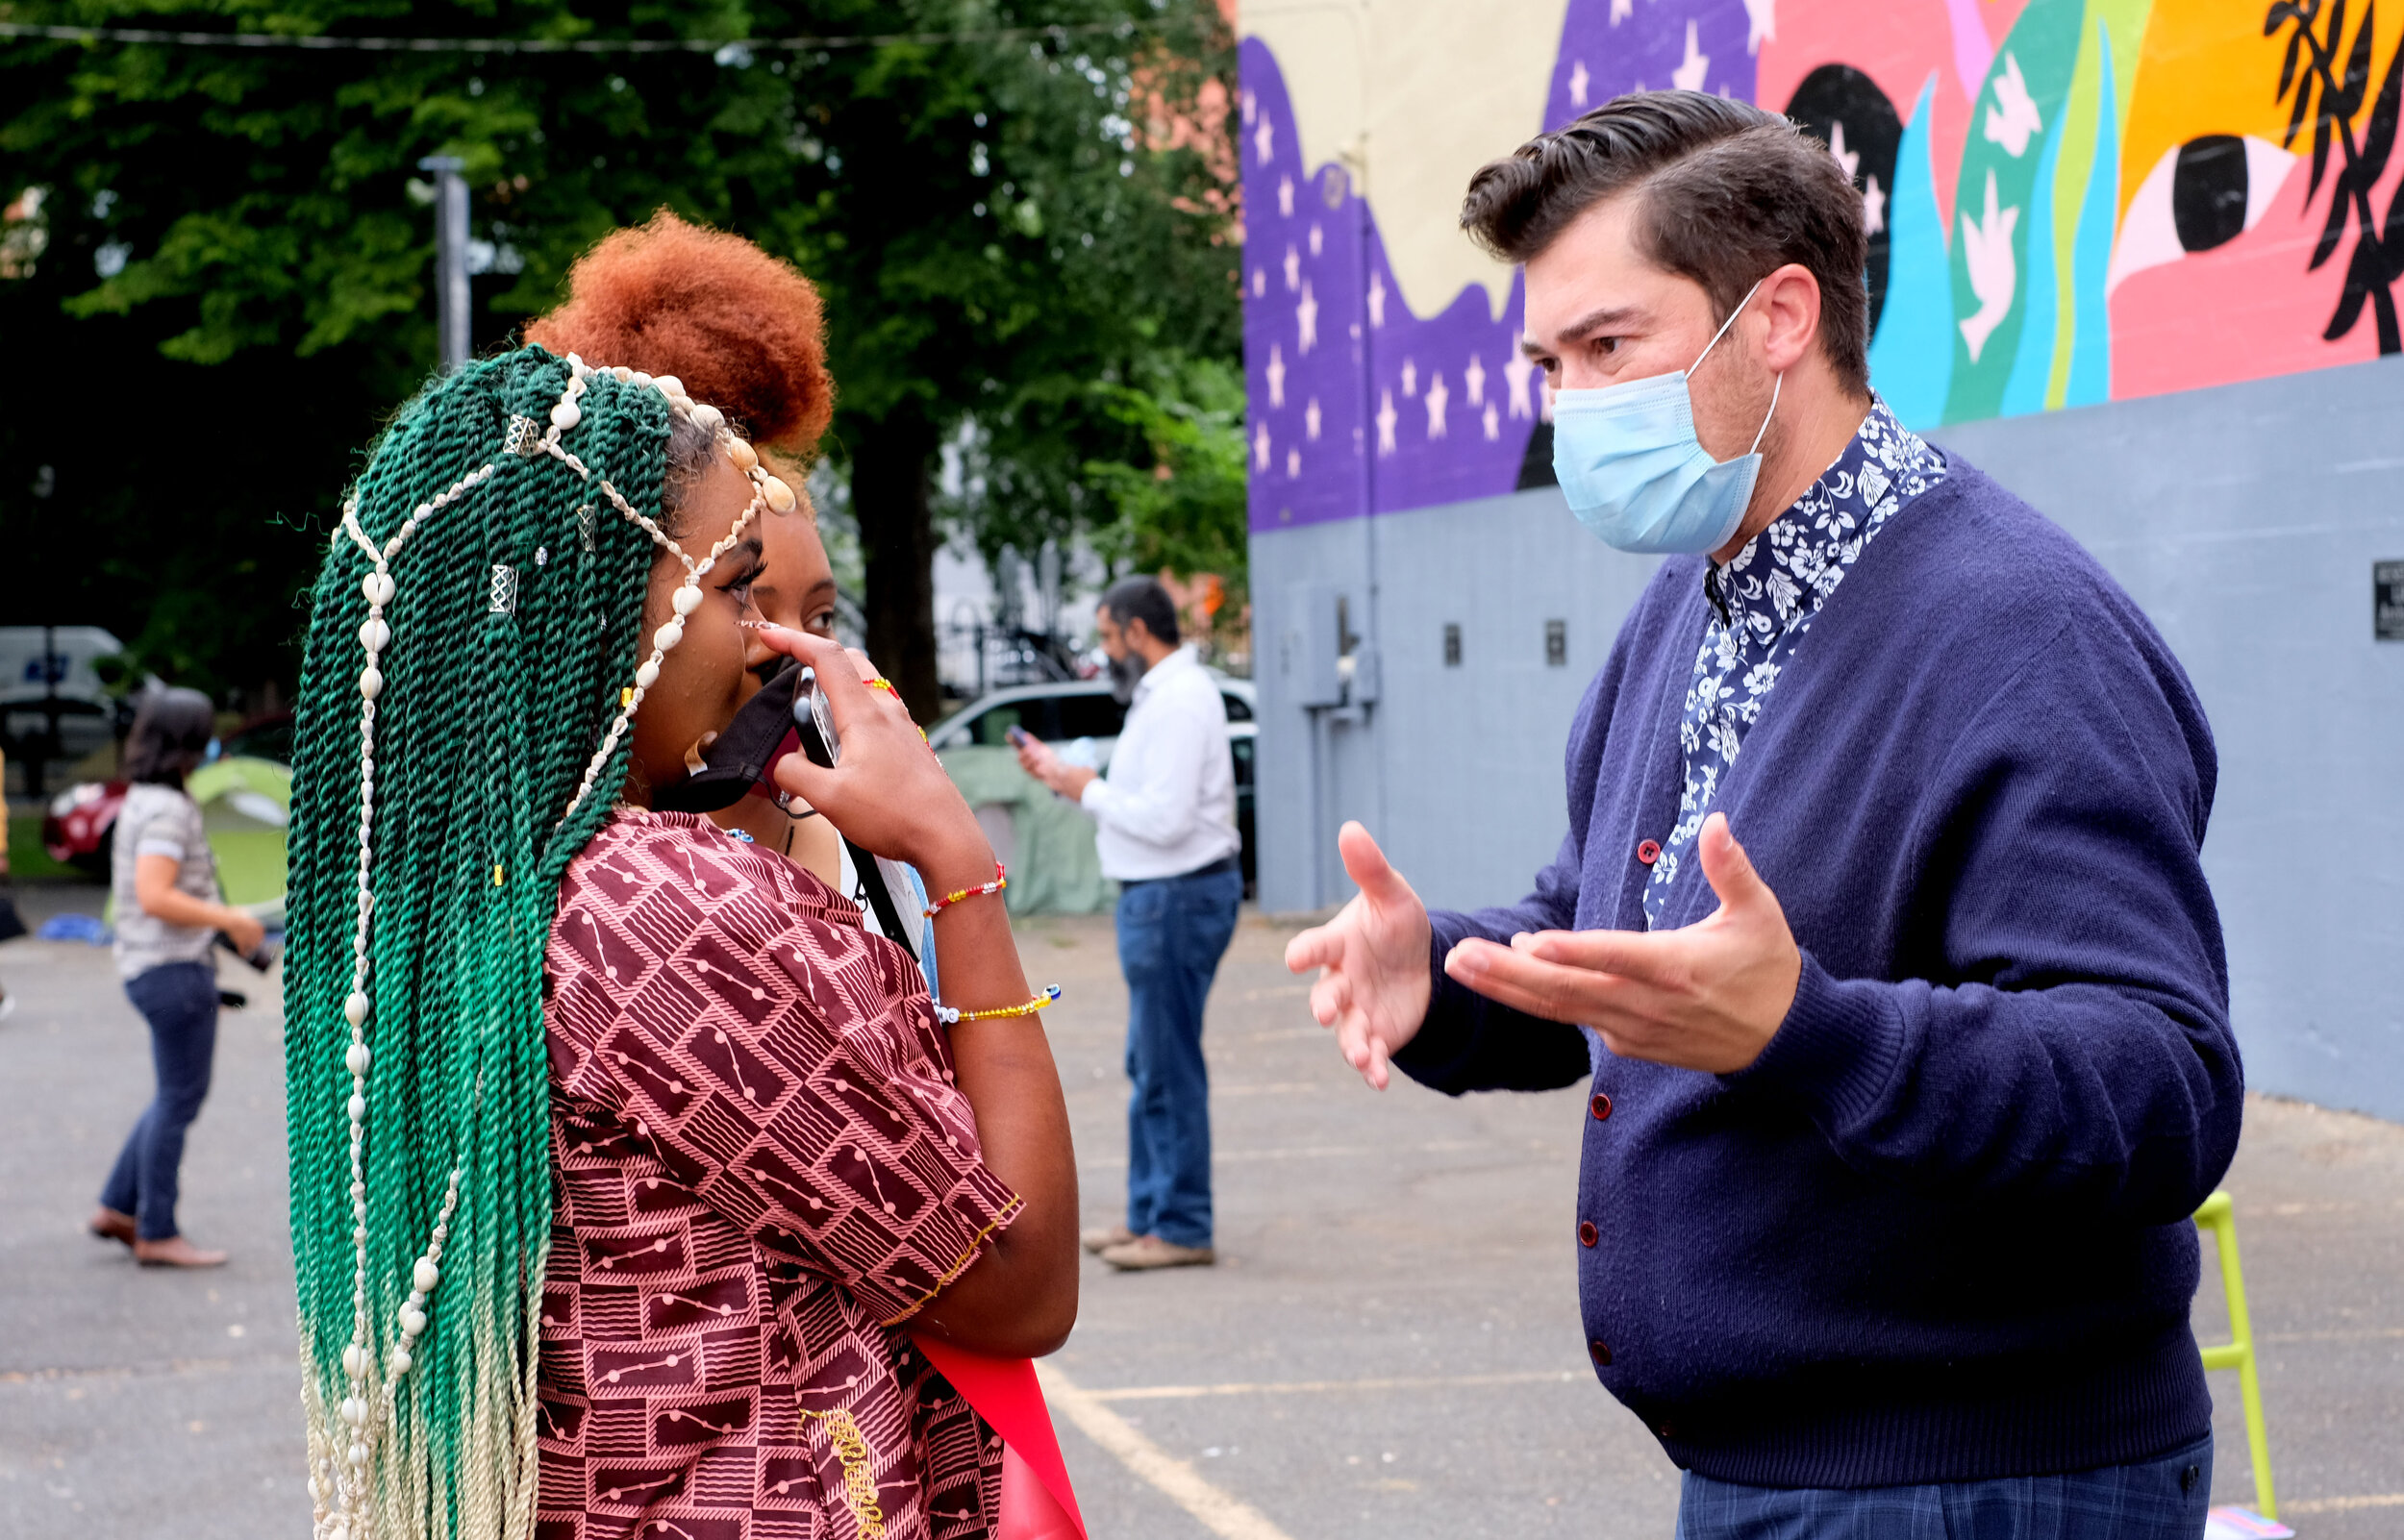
{"points": [[1776, 384], [1724, 325], [1777, 380]]}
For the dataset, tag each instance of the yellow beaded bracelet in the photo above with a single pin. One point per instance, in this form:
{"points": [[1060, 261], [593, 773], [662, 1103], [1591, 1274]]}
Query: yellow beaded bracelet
{"points": [[953, 1018]]}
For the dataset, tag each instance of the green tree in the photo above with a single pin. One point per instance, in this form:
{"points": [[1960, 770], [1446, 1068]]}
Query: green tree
{"points": [[232, 280]]}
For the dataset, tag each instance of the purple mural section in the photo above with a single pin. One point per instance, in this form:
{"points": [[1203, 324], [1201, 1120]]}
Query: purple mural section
{"points": [[1610, 47], [1356, 404]]}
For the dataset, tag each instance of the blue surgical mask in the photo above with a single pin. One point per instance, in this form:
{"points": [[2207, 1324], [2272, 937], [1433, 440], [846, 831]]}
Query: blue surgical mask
{"points": [[1634, 474]]}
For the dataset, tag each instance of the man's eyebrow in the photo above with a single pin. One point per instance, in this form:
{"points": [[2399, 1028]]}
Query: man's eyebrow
{"points": [[1608, 318]]}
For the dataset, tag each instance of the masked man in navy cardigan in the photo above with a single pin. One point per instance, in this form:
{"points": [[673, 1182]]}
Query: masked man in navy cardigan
{"points": [[1963, 980]]}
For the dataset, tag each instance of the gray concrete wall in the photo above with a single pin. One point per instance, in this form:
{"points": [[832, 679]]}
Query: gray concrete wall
{"points": [[2244, 519]]}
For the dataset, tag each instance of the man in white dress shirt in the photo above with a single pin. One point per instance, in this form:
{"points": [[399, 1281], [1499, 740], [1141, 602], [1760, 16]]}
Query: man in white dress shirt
{"points": [[1166, 813]]}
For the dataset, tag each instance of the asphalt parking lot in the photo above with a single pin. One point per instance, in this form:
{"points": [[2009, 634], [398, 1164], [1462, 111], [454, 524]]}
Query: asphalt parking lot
{"points": [[1390, 1348]]}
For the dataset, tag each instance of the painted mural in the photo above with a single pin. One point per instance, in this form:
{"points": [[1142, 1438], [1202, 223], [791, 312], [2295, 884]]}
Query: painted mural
{"points": [[2070, 202]]}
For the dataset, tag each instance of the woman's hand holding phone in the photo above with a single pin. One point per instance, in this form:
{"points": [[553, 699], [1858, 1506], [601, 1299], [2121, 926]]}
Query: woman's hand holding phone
{"points": [[887, 792]]}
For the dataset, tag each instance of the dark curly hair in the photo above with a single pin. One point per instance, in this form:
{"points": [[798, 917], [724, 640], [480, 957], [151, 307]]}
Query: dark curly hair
{"points": [[1727, 193]]}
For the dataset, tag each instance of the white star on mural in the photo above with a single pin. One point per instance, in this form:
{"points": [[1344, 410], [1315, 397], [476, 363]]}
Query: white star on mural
{"points": [[1264, 137], [1621, 11], [1306, 315], [1874, 208], [1294, 462], [1493, 422], [1518, 371], [1410, 378], [1260, 282], [1377, 299], [1315, 239], [1387, 417], [2013, 117], [1761, 24], [1578, 80], [1247, 106], [1438, 397], [1474, 377], [1276, 372], [1310, 420], [1293, 269], [1284, 197], [1260, 447], [1687, 77], [1850, 159]]}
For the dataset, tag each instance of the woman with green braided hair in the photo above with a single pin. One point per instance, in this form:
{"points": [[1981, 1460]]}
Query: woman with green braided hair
{"points": [[622, 1155]]}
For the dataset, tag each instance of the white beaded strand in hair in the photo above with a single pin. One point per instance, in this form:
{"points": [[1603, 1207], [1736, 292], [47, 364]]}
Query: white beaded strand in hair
{"points": [[768, 491], [361, 1408]]}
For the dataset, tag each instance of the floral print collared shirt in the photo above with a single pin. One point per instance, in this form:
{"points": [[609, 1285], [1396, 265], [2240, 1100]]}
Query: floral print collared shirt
{"points": [[1763, 602]]}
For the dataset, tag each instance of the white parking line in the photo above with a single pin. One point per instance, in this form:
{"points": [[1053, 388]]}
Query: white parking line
{"points": [[1226, 1516], [2344, 1505]]}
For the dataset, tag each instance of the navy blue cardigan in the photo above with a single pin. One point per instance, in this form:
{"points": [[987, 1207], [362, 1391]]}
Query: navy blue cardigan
{"points": [[1939, 1230]]}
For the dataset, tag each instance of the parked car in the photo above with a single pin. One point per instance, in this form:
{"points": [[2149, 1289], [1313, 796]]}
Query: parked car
{"points": [[1083, 709], [55, 706], [79, 825]]}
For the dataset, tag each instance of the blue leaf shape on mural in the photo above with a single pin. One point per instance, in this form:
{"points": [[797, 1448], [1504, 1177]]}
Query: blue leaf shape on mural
{"points": [[1910, 358]]}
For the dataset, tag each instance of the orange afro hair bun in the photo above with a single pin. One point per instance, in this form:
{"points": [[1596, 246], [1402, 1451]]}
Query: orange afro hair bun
{"points": [[741, 330]]}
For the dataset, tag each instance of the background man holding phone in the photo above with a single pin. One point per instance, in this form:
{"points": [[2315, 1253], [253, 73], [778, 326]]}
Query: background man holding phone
{"points": [[1167, 817], [1967, 984]]}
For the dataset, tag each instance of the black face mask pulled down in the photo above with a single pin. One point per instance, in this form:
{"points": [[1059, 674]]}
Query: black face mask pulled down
{"points": [[744, 754]]}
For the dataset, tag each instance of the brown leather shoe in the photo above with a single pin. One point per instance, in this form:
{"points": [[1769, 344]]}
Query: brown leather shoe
{"points": [[110, 1225], [1098, 1241], [175, 1252], [1145, 1253]]}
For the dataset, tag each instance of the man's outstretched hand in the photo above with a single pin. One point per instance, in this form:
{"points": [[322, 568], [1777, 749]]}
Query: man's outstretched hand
{"points": [[1706, 997], [1373, 959]]}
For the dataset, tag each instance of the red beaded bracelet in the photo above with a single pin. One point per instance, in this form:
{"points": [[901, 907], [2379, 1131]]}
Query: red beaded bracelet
{"points": [[1001, 881]]}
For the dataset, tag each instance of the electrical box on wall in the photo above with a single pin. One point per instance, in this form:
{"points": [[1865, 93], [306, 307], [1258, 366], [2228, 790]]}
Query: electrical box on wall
{"points": [[1309, 645]]}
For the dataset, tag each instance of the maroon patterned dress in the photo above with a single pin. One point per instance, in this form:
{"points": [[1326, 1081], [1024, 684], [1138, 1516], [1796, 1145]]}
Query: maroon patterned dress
{"points": [[764, 1168]]}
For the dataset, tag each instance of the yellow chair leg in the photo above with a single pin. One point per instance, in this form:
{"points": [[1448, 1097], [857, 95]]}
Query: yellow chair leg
{"points": [[2217, 1219]]}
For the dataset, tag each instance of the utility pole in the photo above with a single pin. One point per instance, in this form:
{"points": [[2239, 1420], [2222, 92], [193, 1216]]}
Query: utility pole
{"points": [[450, 259]]}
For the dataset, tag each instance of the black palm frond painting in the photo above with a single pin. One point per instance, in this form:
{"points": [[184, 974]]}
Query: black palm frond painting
{"points": [[2329, 79]]}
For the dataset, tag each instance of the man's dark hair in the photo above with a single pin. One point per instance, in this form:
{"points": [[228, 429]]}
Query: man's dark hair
{"points": [[171, 737], [1144, 599], [1726, 192]]}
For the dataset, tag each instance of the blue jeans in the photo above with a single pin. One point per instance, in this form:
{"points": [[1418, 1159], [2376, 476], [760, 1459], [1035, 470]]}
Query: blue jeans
{"points": [[180, 1002], [2155, 1499], [1171, 933]]}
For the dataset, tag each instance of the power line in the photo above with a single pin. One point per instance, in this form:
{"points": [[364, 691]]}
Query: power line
{"points": [[564, 46]]}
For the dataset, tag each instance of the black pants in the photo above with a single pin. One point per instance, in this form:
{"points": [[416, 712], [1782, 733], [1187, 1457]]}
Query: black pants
{"points": [[180, 1002]]}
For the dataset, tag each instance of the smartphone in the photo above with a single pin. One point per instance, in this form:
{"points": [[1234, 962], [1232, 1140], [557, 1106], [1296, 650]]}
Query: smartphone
{"points": [[813, 723], [1018, 735]]}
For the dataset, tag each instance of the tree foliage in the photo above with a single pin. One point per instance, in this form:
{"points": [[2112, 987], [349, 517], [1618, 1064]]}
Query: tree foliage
{"points": [[232, 285]]}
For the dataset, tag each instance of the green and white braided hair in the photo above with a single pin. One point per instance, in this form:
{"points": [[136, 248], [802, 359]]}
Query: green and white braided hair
{"points": [[472, 674]]}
